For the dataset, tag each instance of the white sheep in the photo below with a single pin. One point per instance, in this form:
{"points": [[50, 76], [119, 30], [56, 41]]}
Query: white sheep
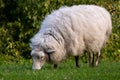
{"points": [[70, 31]]}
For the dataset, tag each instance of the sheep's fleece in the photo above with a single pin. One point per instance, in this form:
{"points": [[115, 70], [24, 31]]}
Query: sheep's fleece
{"points": [[70, 31]]}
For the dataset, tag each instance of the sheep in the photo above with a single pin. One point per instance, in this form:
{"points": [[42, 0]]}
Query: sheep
{"points": [[71, 31]]}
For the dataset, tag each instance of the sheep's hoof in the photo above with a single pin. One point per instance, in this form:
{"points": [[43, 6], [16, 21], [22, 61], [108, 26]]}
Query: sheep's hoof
{"points": [[55, 66], [92, 65], [78, 66]]}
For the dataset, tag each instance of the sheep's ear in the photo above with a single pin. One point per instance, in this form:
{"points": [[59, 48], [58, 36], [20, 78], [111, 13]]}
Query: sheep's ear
{"points": [[50, 51]]}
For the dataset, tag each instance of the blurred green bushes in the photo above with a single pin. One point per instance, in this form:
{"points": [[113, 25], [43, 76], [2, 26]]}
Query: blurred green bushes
{"points": [[20, 20]]}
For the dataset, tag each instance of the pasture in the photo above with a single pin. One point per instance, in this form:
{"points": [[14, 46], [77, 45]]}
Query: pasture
{"points": [[106, 70], [21, 21]]}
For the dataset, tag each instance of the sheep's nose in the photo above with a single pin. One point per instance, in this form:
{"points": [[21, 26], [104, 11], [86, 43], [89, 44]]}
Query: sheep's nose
{"points": [[36, 68]]}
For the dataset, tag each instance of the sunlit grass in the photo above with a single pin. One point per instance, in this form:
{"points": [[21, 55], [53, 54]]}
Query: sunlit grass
{"points": [[66, 71]]}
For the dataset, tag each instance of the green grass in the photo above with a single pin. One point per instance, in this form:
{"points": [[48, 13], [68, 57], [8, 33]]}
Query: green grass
{"points": [[66, 71]]}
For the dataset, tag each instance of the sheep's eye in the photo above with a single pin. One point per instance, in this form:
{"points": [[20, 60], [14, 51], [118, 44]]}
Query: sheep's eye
{"points": [[41, 58], [37, 57]]}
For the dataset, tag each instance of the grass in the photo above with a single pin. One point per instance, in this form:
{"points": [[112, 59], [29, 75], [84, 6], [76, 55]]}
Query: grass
{"points": [[66, 71]]}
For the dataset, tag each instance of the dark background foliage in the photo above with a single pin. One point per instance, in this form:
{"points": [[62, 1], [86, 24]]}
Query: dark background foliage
{"points": [[21, 19]]}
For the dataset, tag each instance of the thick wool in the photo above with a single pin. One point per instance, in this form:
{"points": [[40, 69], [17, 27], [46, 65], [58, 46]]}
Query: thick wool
{"points": [[72, 30]]}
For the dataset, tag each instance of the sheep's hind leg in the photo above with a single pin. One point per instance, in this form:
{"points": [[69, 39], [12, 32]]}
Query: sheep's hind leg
{"points": [[77, 61], [91, 59], [98, 58]]}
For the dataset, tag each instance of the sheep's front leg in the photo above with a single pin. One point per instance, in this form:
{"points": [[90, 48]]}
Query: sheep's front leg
{"points": [[77, 61], [55, 66]]}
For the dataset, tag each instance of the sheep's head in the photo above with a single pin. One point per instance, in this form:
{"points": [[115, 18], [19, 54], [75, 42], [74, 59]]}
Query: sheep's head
{"points": [[40, 57], [42, 49]]}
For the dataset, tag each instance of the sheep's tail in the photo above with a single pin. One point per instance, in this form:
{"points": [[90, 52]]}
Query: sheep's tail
{"points": [[108, 32]]}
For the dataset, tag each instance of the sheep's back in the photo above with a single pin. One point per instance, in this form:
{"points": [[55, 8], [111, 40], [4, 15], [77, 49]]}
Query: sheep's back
{"points": [[81, 27]]}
